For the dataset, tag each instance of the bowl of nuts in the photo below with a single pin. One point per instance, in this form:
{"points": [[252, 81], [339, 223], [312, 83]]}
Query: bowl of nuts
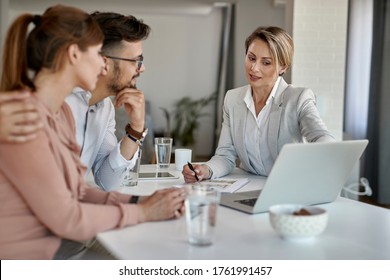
{"points": [[292, 221]]}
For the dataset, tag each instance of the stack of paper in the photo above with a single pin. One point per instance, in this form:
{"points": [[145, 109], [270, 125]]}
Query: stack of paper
{"points": [[224, 185]]}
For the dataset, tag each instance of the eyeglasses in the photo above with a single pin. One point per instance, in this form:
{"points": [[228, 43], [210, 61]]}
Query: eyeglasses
{"points": [[138, 61]]}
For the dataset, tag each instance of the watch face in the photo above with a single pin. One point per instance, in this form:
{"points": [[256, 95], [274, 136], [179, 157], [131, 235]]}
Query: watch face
{"points": [[144, 133]]}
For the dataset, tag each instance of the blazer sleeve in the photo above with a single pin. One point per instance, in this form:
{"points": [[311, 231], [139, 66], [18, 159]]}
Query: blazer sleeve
{"points": [[312, 127], [224, 160]]}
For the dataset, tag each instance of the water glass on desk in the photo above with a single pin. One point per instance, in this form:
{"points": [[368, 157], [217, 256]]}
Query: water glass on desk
{"points": [[131, 177], [201, 214], [163, 149]]}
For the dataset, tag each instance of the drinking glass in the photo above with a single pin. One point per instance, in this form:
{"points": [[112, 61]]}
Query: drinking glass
{"points": [[163, 149], [201, 214]]}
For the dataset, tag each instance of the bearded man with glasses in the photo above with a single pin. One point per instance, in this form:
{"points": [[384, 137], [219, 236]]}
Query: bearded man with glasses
{"points": [[94, 112]]}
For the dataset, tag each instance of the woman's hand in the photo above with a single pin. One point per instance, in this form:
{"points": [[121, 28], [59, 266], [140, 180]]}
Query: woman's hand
{"points": [[202, 172], [19, 119], [162, 205]]}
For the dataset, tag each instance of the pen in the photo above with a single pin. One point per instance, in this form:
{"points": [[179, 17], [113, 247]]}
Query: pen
{"points": [[192, 168]]}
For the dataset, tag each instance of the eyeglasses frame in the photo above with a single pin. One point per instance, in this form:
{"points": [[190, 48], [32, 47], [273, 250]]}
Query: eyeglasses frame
{"points": [[139, 62]]}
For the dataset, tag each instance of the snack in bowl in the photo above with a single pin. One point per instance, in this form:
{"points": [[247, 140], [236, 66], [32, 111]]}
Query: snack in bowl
{"points": [[294, 221], [302, 212]]}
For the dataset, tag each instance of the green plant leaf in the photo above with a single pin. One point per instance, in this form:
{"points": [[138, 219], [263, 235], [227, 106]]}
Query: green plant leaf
{"points": [[186, 117]]}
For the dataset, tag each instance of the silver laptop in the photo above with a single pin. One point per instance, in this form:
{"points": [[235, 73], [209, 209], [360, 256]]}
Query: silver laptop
{"points": [[302, 174]]}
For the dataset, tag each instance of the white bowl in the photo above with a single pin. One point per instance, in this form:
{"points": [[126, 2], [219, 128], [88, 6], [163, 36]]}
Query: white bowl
{"points": [[291, 226]]}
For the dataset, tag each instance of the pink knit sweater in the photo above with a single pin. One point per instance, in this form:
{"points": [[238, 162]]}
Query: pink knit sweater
{"points": [[43, 195]]}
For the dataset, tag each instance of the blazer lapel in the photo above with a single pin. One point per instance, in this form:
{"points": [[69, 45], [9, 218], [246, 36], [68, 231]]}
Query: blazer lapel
{"points": [[274, 119], [240, 116], [239, 120]]}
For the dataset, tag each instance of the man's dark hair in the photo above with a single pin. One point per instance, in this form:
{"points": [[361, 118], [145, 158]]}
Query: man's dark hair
{"points": [[117, 27]]}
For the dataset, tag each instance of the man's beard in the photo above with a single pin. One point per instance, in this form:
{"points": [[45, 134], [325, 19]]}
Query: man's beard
{"points": [[114, 86]]}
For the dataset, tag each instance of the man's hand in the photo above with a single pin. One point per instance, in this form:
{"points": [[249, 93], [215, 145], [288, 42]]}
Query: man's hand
{"points": [[133, 101], [162, 205], [19, 119]]}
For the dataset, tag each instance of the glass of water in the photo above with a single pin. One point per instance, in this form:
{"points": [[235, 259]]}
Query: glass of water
{"points": [[131, 177], [163, 148], [201, 214]]}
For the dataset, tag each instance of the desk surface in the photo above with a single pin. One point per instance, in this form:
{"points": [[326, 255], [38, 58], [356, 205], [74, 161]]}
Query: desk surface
{"points": [[355, 231]]}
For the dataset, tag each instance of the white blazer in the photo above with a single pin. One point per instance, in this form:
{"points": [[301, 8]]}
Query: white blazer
{"points": [[293, 118]]}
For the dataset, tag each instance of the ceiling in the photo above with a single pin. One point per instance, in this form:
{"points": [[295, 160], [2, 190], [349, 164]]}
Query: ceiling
{"points": [[198, 7]]}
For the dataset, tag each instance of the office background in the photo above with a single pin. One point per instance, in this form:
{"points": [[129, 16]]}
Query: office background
{"points": [[333, 41]]}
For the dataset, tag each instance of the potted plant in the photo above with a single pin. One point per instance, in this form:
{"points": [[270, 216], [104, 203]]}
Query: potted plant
{"points": [[186, 115]]}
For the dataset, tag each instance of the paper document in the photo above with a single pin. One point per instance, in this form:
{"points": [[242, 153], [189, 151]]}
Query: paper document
{"points": [[224, 185]]}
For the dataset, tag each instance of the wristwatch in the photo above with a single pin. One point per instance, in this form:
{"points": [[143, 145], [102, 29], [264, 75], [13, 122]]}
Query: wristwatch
{"points": [[134, 199], [136, 136]]}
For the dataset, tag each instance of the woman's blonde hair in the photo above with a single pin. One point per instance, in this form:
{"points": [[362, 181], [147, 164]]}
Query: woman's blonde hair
{"points": [[279, 41]]}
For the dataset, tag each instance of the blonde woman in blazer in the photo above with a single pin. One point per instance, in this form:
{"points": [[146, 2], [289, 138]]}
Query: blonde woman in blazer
{"points": [[259, 118]]}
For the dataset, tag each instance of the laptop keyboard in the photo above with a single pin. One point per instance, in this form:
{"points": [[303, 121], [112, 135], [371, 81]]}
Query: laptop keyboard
{"points": [[249, 201]]}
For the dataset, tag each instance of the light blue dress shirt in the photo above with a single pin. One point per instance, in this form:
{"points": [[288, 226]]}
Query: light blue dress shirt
{"points": [[95, 133]]}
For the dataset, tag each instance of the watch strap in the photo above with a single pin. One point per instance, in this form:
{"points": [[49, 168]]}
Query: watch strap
{"points": [[136, 134], [134, 199], [137, 141]]}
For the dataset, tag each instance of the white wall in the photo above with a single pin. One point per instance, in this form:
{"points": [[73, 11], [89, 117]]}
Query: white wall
{"points": [[320, 37], [182, 52], [251, 14], [182, 60]]}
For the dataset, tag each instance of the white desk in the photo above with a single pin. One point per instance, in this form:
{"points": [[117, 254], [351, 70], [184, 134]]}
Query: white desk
{"points": [[355, 231], [147, 187]]}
